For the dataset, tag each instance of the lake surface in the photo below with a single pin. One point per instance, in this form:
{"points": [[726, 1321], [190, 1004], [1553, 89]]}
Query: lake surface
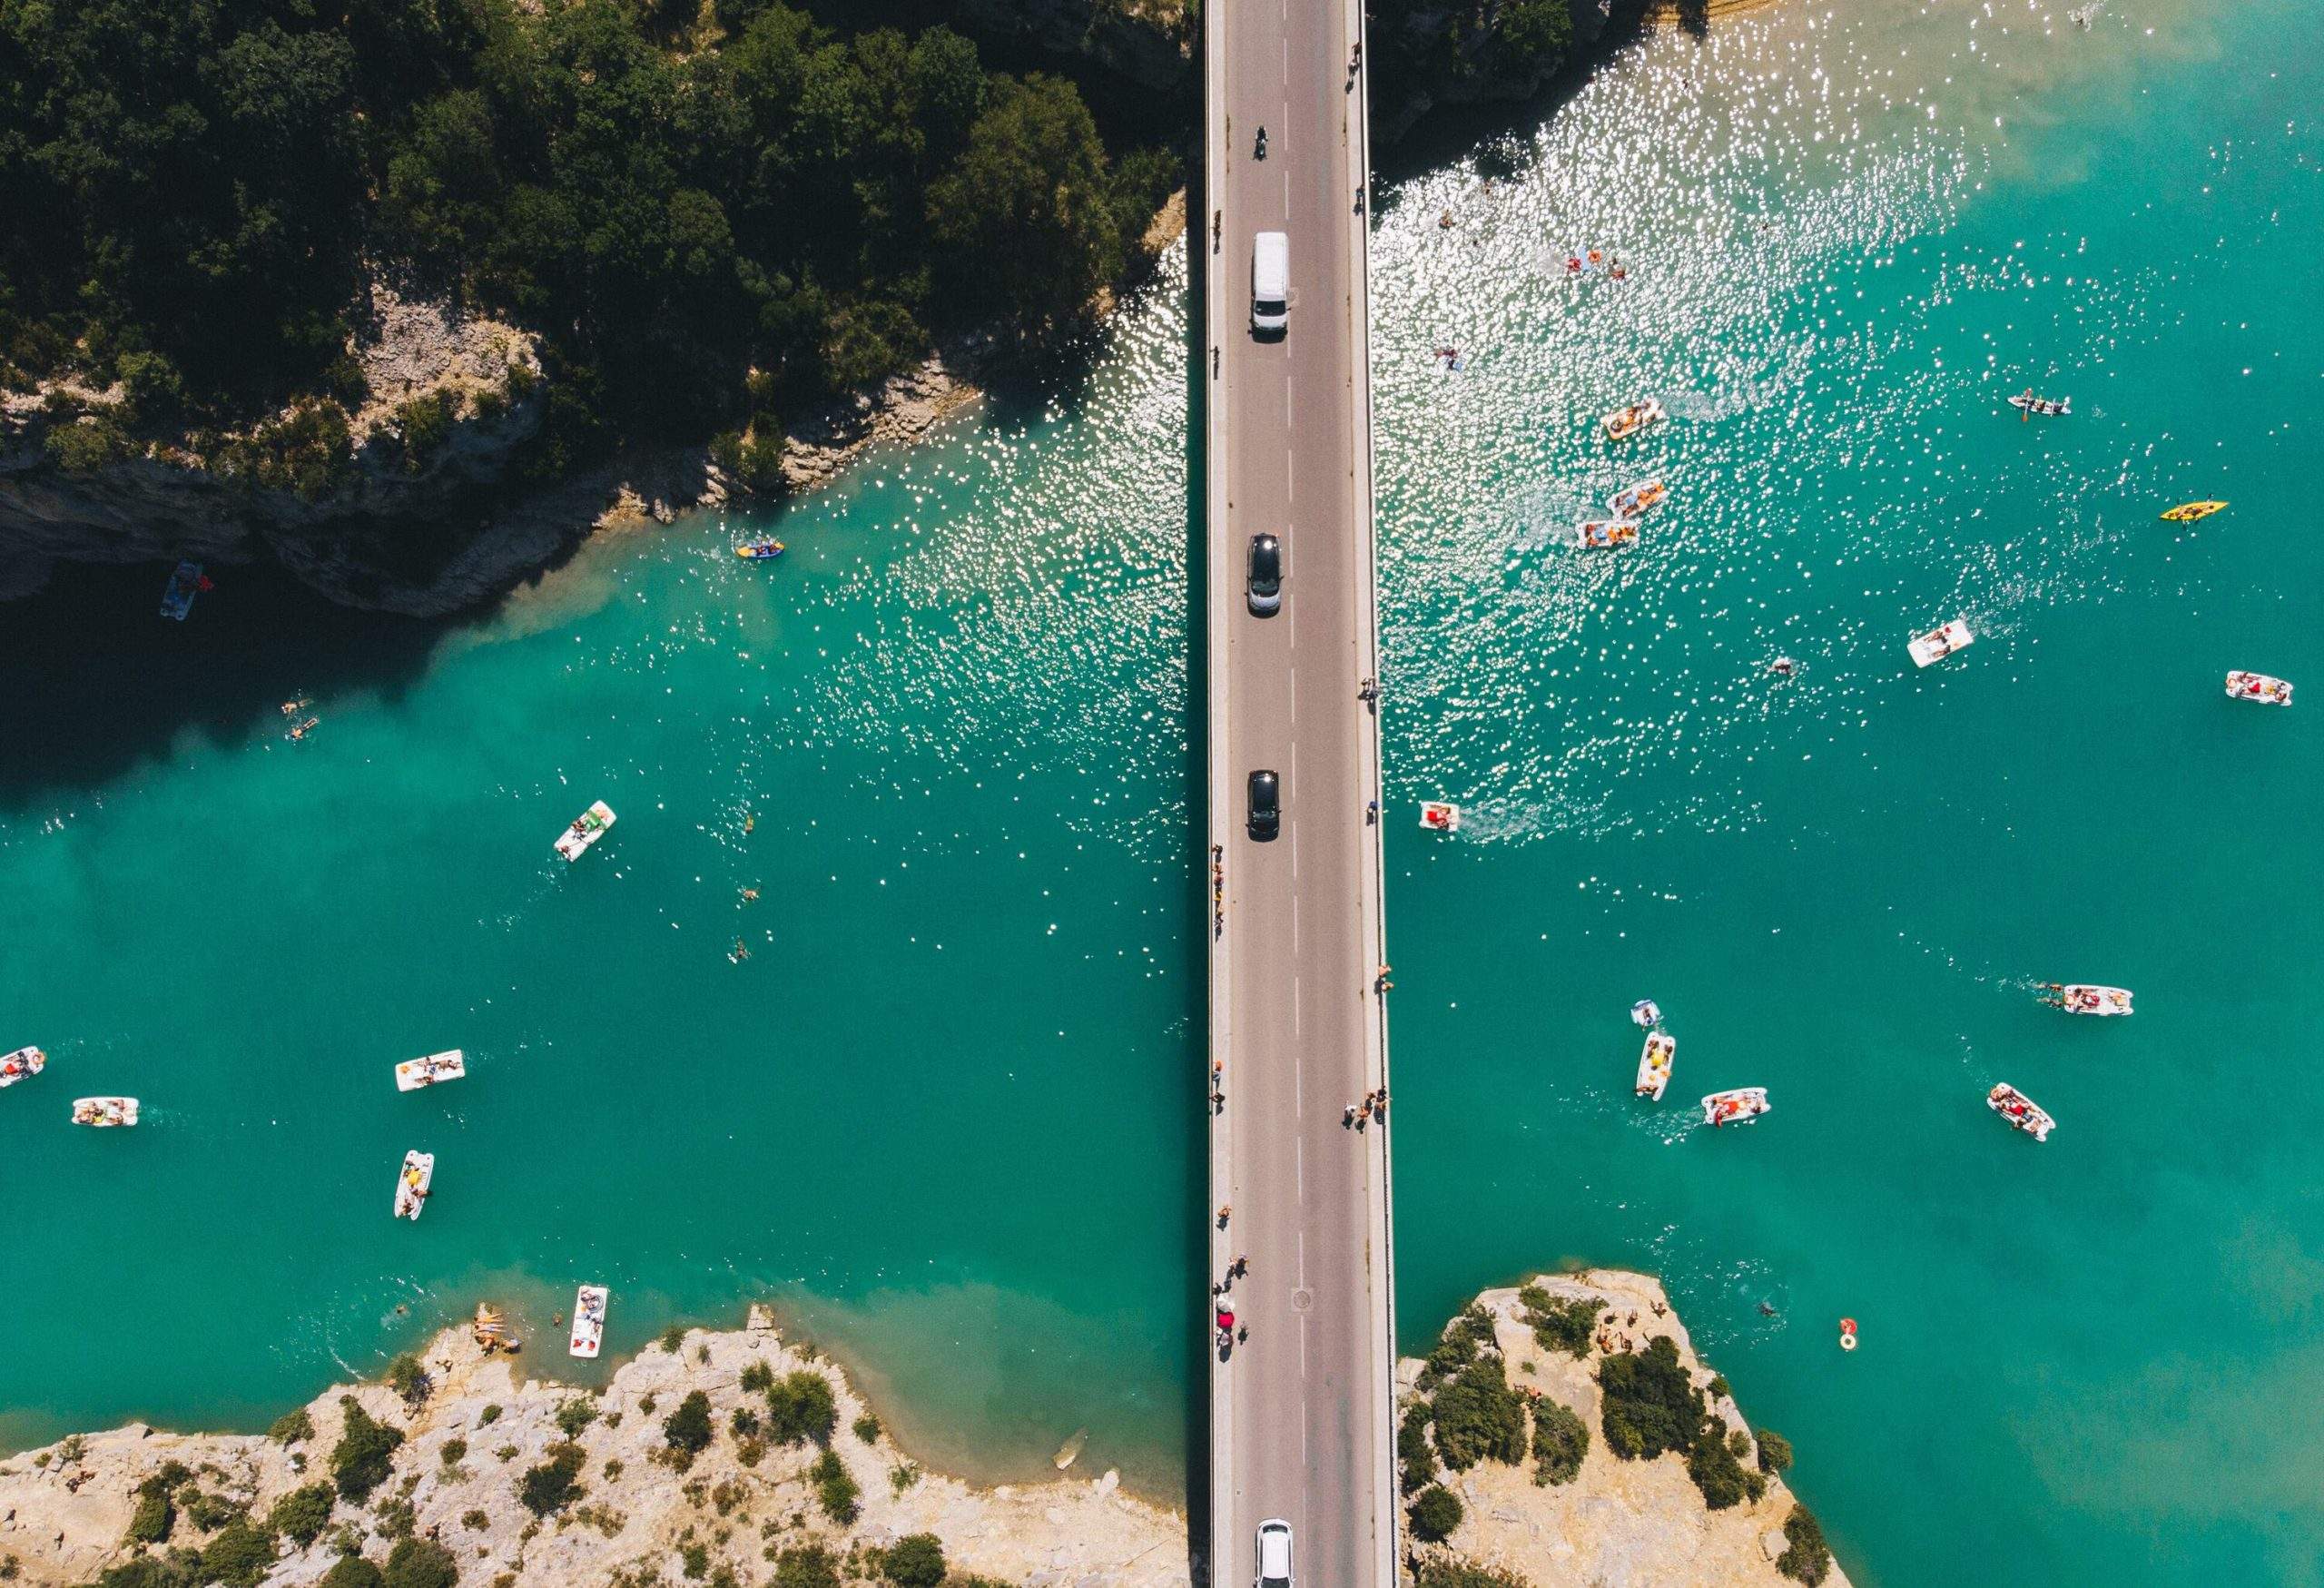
{"points": [[943, 1108]]}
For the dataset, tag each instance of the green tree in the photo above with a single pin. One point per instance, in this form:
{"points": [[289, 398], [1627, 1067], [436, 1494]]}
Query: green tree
{"points": [[1419, 1462], [835, 1487], [1711, 1463], [359, 1461], [915, 1561], [1805, 1558], [406, 1376], [154, 1516], [806, 1566], [1438, 1572], [302, 1514], [420, 1563], [1024, 217], [688, 1429], [1775, 1452], [1435, 1514], [1559, 1324], [545, 1489], [1560, 1440], [1479, 1417], [238, 1556], [351, 1572], [1649, 1404], [801, 1407]]}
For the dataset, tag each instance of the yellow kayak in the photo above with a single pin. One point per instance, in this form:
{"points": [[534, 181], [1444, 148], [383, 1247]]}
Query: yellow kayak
{"points": [[2188, 512]]}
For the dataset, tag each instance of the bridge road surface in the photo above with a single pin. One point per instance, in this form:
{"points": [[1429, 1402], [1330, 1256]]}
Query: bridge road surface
{"points": [[1302, 1409]]}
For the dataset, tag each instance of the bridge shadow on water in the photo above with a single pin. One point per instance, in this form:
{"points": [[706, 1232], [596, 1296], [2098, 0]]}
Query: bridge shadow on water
{"points": [[97, 683]]}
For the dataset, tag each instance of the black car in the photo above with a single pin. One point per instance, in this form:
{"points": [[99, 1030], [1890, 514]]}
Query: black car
{"points": [[1265, 588], [1264, 819]]}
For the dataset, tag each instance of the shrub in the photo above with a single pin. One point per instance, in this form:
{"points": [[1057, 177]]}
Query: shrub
{"points": [[1559, 1326], [1775, 1452], [208, 1512], [309, 451], [1711, 1463], [576, 1415], [1719, 1388], [352, 1571], [1412, 1449], [744, 1424], [488, 1416], [757, 1377], [1805, 1558], [688, 1430], [238, 1556], [292, 1428], [360, 1461], [91, 442], [1561, 1439], [696, 1557], [454, 1449], [808, 1566], [407, 1378], [915, 1561], [835, 1489], [867, 1428], [1440, 1573], [419, 1563], [1650, 1407], [302, 1514], [902, 1475], [425, 424], [800, 1407], [1478, 1417], [154, 1516], [673, 1337], [545, 1489], [475, 1521], [1435, 1514]]}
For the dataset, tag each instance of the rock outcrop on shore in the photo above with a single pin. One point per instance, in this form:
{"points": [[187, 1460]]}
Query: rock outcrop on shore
{"points": [[1615, 1523], [634, 1516]]}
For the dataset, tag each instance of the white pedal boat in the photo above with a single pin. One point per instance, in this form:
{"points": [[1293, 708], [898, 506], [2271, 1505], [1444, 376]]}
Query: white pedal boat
{"points": [[1654, 1065], [2084, 998], [587, 828], [23, 1063], [2258, 686], [1440, 816], [1639, 499], [414, 1073], [418, 1172], [1646, 1015], [588, 1320], [1625, 422], [1603, 534], [104, 1113], [2020, 1113], [1738, 1107], [1940, 643]]}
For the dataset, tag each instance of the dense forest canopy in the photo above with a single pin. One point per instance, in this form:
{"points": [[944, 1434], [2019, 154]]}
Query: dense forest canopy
{"points": [[711, 209]]}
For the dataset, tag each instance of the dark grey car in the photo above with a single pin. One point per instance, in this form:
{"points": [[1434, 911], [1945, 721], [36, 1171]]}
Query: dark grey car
{"points": [[1264, 819], [1266, 576]]}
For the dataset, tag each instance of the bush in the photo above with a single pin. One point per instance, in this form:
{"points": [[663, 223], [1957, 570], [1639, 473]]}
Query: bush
{"points": [[1412, 1449], [1651, 1405], [360, 1460], [800, 1407], [453, 1452], [86, 444], [574, 1414], [302, 1514], [687, 1430], [809, 1566], [867, 1428], [290, 1427], [208, 1512], [238, 1556], [309, 451], [1806, 1558], [407, 1378], [545, 1489], [1559, 1326], [154, 1516], [1775, 1452], [1479, 1417], [1560, 1440], [674, 1338], [488, 1416], [1435, 1514], [423, 425], [757, 1377], [1440, 1573], [352, 1571], [419, 1563], [915, 1561], [835, 1489], [1711, 1463]]}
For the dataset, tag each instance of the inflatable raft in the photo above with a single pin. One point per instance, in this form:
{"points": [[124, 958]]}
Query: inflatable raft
{"points": [[588, 1320], [1738, 1107], [414, 1073], [2188, 512], [22, 1063], [1654, 1065], [2020, 1113], [1600, 533], [587, 828], [1438, 816], [104, 1113], [418, 1172], [1940, 643], [2258, 686], [2084, 998], [1624, 423]]}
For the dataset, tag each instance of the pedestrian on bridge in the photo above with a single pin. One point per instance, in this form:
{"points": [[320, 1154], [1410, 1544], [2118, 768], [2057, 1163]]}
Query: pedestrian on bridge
{"points": [[1347, 1115]]}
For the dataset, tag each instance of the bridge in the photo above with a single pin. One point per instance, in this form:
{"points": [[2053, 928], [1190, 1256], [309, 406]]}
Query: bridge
{"points": [[1302, 1405]]}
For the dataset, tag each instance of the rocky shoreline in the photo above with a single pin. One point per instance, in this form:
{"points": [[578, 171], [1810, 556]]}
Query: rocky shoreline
{"points": [[737, 1459]]}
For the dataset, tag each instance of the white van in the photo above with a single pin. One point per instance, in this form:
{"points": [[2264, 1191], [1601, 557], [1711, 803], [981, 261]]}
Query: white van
{"points": [[1271, 282]]}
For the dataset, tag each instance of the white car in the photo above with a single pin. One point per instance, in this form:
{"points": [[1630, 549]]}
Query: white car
{"points": [[1274, 1553]]}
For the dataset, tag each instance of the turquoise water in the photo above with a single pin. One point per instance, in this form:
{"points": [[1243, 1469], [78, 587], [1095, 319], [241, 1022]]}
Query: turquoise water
{"points": [[1848, 238], [942, 1106]]}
